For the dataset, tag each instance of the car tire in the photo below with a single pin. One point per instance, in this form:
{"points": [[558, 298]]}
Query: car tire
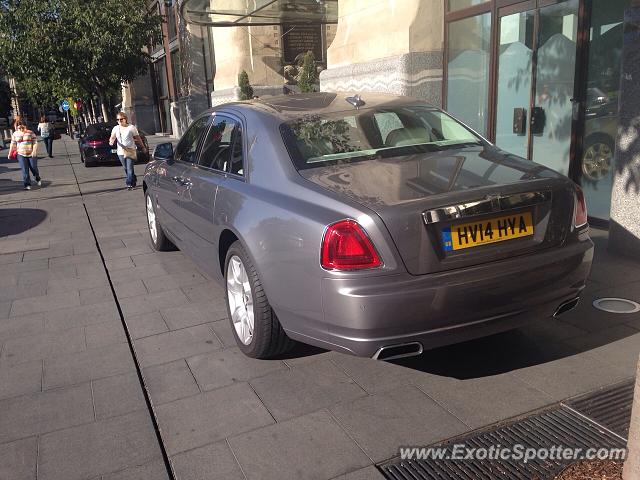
{"points": [[159, 240], [267, 338]]}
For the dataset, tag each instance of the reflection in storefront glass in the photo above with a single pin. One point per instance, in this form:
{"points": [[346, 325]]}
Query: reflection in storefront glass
{"points": [[601, 118], [468, 70]]}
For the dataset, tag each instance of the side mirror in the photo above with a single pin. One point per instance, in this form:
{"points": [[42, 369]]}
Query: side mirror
{"points": [[163, 151]]}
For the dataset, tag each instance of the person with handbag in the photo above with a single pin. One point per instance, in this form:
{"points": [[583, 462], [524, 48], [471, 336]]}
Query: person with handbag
{"points": [[24, 148], [46, 131], [126, 136]]}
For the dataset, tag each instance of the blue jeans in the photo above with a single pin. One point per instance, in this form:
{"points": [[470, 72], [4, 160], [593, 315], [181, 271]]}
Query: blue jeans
{"points": [[48, 142], [28, 164], [127, 164]]}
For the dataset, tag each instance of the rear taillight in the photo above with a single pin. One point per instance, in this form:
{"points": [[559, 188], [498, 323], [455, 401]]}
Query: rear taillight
{"points": [[579, 209], [346, 246], [96, 143]]}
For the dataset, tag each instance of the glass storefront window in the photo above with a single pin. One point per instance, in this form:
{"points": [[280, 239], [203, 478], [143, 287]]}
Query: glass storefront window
{"points": [[601, 117], [468, 70]]}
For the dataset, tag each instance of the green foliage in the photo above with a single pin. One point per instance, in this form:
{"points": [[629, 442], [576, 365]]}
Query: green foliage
{"points": [[74, 48], [246, 90], [5, 98], [308, 76]]}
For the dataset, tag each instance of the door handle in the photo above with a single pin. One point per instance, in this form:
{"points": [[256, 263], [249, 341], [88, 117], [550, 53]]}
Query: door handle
{"points": [[185, 182]]}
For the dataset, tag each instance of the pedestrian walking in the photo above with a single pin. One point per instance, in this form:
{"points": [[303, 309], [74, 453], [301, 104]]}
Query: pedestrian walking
{"points": [[126, 136], [25, 144], [46, 131]]}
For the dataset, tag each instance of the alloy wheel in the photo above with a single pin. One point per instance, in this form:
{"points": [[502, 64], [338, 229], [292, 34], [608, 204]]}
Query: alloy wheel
{"points": [[596, 163], [151, 219], [240, 299]]}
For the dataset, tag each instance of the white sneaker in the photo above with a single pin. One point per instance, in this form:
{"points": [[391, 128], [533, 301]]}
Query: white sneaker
{"points": [[28, 187], [39, 182]]}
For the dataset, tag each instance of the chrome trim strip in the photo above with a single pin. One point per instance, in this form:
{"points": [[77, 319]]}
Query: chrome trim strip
{"points": [[490, 204]]}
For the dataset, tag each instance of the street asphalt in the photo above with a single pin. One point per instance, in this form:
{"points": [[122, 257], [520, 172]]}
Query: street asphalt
{"points": [[117, 362]]}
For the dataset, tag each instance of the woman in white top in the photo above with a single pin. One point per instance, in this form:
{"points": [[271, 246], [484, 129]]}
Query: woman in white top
{"points": [[126, 136], [45, 130]]}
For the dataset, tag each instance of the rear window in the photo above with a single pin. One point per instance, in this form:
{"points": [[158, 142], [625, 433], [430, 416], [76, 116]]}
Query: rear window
{"points": [[365, 134], [99, 130]]}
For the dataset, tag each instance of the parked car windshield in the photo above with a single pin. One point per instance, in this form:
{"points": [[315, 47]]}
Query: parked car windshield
{"points": [[99, 130], [358, 135]]}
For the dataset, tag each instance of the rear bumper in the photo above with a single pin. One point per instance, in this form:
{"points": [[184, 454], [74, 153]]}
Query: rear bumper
{"points": [[364, 314]]}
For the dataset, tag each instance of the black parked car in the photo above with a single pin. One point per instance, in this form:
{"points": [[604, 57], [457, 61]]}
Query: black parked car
{"points": [[95, 148]]}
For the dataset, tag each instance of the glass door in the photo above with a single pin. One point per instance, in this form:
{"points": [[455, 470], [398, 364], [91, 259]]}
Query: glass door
{"points": [[535, 82], [601, 105]]}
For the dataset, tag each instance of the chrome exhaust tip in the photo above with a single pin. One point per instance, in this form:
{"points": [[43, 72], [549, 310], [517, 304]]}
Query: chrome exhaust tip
{"points": [[401, 350], [566, 306]]}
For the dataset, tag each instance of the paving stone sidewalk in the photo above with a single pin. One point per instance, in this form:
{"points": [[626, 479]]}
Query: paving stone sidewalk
{"points": [[72, 406]]}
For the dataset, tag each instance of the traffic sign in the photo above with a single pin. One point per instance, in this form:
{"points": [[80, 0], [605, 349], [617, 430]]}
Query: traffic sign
{"points": [[65, 105]]}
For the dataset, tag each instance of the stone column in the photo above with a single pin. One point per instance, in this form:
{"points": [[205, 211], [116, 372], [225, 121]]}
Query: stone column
{"points": [[624, 231], [632, 465], [253, 49], [387, 46]]}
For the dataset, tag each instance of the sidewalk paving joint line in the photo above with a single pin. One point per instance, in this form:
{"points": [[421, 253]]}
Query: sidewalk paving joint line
{"points": [[145, 391]]}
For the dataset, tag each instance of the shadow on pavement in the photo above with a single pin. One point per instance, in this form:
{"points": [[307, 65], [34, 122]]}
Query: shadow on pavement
{"points": [[488, 356], [14, 221]]}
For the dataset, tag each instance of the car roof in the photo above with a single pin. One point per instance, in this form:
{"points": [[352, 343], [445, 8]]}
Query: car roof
{"points": [[289, 107]]}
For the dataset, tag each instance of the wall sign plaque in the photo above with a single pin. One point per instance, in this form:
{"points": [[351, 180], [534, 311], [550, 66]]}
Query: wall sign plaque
{"points": [[299, 39]]}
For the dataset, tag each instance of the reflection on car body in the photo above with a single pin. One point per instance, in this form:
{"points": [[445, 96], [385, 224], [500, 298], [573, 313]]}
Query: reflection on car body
{"points": [[332, 225]]}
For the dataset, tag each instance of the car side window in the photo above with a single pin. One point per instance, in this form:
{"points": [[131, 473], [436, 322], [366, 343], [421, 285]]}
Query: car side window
{"points": [[219, 150], [188, 146], [236, 153]]}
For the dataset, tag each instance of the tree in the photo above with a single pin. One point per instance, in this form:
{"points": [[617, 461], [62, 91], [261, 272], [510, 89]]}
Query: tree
{"points": [[246, 90], [75, 48], [308, 76], [5, 98]]}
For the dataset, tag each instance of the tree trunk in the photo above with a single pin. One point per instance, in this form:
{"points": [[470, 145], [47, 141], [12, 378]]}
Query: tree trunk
{"points": [[93, 111], [105, 110], [632, 465]]}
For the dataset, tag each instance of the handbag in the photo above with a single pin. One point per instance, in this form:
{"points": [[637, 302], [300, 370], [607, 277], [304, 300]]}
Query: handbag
{"points": [[13, 155], [129, 152]]}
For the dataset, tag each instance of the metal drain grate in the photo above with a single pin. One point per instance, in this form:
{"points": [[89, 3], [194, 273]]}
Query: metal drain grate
{"points": [[610, 407], [558, 427]]}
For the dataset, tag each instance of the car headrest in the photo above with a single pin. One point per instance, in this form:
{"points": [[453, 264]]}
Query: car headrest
{"points": [[407, 136]]}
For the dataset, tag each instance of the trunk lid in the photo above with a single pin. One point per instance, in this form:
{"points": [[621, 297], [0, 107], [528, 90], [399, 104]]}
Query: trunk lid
{"points": [[421, 198]]}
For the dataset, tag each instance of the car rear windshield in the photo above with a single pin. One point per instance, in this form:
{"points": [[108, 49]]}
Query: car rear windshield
{"points": [[99, 130], [359, 135]]}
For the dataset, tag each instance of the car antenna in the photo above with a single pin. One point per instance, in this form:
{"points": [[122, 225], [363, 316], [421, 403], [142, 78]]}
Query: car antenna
{"points": [[356, 101]]}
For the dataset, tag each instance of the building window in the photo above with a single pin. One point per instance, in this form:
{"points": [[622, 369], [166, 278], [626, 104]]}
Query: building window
{"points": [[177, 73], [468, 61], [172, 26], [460, 4]]}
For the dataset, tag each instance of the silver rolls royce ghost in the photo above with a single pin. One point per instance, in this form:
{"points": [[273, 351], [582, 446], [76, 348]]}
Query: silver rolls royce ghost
{"points": [[374, 225]]}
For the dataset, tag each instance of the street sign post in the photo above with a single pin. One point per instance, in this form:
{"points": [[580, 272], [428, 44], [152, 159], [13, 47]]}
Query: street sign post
{"points": [[65, 105]]}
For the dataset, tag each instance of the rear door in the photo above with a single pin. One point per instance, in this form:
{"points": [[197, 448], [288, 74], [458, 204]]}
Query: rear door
{"points": [[220, 157], [172, 183]]}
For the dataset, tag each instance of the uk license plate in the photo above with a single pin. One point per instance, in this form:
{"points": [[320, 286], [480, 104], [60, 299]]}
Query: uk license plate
{"points": [[492, 230], [114, 150]]}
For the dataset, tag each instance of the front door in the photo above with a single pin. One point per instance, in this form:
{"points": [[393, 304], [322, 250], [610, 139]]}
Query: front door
{"points": [[173, 184], [221, 149], [535, 100]]}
